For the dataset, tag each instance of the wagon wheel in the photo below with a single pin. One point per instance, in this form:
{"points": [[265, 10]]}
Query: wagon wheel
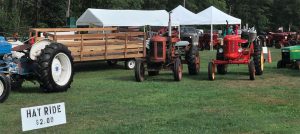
{"points": [[139, 71], [177, 71], [211, 71], [130, 64], [251, 68]]}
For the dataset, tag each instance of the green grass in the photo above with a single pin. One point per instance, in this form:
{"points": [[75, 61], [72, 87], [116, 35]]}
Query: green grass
{"points": [[108, 100]]}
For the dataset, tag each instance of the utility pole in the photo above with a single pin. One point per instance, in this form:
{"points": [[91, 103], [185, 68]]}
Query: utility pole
{"points": [[68, 10], [183, 3]]}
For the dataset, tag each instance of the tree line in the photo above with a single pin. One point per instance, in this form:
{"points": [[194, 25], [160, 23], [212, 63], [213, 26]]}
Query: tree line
{"points": [[265, 15]]}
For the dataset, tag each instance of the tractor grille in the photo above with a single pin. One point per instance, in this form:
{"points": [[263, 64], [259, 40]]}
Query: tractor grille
{"points": [[151, 51], [159, 49], [286, 57]]}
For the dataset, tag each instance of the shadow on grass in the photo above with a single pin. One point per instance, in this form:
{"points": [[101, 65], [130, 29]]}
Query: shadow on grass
{"points": [[95, 66], [29, 90]]}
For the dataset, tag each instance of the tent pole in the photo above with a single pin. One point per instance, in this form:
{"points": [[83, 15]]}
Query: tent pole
{"points": [[179, 31], [211, 37]]}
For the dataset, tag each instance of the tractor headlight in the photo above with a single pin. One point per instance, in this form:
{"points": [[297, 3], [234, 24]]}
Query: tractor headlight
{"points": [[285, 37], [190, 37], [267, 37], [221, 50], [240, 50]]}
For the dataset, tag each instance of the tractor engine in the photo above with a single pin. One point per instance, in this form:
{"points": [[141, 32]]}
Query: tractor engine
{"points": [[157, 49]]}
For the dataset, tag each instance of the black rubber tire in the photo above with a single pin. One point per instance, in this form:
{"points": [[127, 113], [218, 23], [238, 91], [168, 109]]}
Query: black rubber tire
{"points": [[211, 71], [44, 72], [251, 68], [139, 71], [192, 59], [297, 65], [221, 69], [112, 62], [130, 64], [153, 73], [6, 87], [258, 58], [177, 70], [280, 64]]}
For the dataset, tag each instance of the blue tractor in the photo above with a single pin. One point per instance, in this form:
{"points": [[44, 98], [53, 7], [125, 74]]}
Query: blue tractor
{"points": [[47, 62]]}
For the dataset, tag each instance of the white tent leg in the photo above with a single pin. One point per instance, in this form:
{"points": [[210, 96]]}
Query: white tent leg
{"points": [[179, 31], [211, 38]]}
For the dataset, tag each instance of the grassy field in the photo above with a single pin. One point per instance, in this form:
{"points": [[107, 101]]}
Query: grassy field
{"points": [[108, 100]]}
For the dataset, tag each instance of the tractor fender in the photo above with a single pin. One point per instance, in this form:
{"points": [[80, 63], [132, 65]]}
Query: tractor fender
{"points": [[37, 48]]}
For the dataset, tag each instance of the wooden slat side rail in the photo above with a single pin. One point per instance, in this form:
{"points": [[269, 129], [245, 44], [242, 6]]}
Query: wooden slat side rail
{"points": [[70, 29]]}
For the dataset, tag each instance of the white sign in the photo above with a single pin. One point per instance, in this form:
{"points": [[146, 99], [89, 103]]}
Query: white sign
{"points": [[43, 116]]}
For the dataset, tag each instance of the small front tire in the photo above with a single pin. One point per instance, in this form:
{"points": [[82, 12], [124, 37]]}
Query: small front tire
{"points": [[177, 70], [211, 71], [251, 68], [130, 64], [4, 87]]}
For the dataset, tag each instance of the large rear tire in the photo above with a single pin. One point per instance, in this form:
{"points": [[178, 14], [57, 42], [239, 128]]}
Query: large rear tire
{"points": [[258, 58], [251, 68], [4, 87], [55, 68], [139, 71], [222, 68], [177, 70], [193, 60], [211, 71]]}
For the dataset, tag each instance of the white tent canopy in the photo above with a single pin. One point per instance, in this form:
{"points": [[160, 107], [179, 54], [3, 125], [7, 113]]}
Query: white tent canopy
{"points": [[185, 17], [215, 16], [106, 17]]}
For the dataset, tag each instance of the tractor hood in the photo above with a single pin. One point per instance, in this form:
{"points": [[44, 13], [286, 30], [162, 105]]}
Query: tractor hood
{"points": [[291, 48], [5, 47]]}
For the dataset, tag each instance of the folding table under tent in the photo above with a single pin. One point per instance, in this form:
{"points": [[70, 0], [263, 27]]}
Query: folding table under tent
{"points": [[213, 16]]}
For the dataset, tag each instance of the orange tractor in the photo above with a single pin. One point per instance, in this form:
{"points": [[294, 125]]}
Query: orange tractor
{"points": [[168, 53], [236, 50]]}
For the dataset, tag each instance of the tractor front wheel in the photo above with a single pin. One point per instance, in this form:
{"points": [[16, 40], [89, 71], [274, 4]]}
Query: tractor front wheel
{"points": [[251, 68], [139, 71], [177, 70], [4, 87], [211, 71], [55, 68]]}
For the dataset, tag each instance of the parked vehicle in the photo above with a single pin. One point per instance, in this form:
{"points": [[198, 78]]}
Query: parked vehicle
{"points": [[97, 44], [237, 50], [281, 39], [48, 62], [290, 57]]}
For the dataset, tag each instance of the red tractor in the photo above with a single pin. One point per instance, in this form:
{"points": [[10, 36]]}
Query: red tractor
{"points": [[281, 39], [238, 51], [204, 41]]}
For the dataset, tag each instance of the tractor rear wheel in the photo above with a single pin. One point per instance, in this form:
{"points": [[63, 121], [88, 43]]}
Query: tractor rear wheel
{"points": [[280, 64], [258, 58], [192, 59], [4, 87], [177, 70], [211, 71], [221, 69], [55, 68], [251, 68], [139, 71], [153, 73]]}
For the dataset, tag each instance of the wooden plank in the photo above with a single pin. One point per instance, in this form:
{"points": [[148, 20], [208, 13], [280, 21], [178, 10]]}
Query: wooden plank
{"points": [[93, 58], [105, 46], [71, 29], [81, 48], [126, 39], [102, 52]]}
